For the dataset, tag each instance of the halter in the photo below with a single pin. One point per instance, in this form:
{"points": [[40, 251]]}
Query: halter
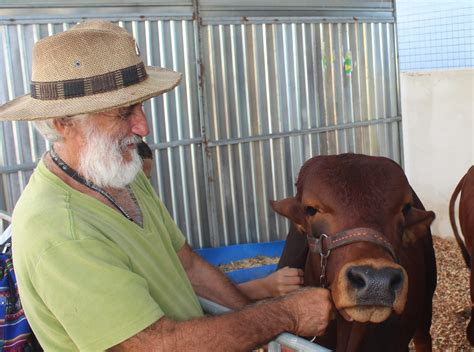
{"points": [[324, 244]]}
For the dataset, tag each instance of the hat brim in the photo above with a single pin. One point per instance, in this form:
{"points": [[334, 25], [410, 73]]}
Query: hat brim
{"points": [[159, 81]]}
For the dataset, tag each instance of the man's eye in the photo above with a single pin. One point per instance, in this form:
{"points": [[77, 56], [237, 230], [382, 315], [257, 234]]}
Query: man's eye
{"points": [[310, 211], [406, 209], [124, 115]]}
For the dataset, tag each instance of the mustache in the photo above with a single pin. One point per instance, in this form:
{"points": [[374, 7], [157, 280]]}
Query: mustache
{"points": [[125, 142]]}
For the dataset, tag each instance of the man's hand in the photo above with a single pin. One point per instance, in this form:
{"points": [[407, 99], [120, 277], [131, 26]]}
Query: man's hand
{"points": [[283, 281], [276, 284], [311, 309]]}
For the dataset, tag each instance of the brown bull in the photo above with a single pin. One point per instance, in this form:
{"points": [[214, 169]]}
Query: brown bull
{"points": [[466, 221], [359, 229]]}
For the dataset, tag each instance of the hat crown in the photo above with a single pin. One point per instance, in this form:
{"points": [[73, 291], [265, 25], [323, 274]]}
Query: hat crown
{"points": [[89, 49]]}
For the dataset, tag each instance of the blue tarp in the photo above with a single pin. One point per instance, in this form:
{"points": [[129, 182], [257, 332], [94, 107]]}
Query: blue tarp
{"points": [[225, 255]]}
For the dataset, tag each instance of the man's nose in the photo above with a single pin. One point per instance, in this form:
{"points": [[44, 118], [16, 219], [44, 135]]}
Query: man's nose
{"points": [[138, 121]]}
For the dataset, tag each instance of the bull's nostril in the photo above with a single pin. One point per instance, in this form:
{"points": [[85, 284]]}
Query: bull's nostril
{"points": [[396, 282], [356, 279]]}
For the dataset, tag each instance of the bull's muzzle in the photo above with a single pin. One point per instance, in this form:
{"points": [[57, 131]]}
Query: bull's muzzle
{"points": [[370, 290], [375, 286]]}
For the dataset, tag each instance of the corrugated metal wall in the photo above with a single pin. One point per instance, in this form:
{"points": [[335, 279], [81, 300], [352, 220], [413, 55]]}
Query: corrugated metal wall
{"points": [[260, 96]]}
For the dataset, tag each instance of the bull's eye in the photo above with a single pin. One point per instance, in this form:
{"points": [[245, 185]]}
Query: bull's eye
{"points": [[310, 211], [406, 209]]}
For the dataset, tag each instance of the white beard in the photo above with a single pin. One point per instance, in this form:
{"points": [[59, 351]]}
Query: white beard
{"points": [[102, 160]]}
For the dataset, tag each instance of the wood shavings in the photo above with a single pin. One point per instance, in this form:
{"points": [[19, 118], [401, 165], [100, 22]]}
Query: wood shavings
{"points": [[248, 263], [451, 301]]}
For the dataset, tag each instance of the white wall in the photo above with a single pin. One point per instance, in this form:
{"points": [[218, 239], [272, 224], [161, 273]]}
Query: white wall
{"points": [[438, 134]]}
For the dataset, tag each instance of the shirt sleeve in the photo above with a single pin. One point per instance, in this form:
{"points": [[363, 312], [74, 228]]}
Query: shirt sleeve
{"points": [[88, 286]]}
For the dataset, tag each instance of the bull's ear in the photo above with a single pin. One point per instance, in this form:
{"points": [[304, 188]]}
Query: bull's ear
{"points": [[290, 208], [417, 224]]}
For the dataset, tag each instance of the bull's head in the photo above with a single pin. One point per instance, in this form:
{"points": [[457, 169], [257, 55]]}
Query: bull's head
{"points": [[358, 213]]}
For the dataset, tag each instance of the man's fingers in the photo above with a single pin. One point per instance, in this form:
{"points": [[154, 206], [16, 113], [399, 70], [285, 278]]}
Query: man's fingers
{"points": [[289, 288], [292, 271], [293, 280]]}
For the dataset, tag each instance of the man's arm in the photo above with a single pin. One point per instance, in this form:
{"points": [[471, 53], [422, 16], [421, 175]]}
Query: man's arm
{"points": [[303, 312], [209, 282]]}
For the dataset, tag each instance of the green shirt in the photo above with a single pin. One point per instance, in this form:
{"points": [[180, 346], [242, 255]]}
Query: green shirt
{"points": [[88, 277]]}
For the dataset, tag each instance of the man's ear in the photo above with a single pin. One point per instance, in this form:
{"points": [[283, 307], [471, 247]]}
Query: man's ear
{"points": [[65, 126], [417, 224], [290, 208]]}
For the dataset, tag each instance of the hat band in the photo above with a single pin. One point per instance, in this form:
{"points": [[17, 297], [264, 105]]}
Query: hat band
{"points": [[82, 87]]}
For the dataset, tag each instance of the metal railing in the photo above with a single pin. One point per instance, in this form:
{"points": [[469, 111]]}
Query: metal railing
{"points": [[285, 339]]}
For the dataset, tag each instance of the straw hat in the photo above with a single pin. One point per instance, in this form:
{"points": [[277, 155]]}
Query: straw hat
{"points": [[95, 66]]}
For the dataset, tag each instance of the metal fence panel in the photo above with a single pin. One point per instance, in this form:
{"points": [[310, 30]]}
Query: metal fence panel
{"points": [[272, 79]]}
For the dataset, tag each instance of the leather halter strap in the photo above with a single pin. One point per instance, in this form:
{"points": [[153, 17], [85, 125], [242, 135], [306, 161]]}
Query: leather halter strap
{"points": [[326, 243]]}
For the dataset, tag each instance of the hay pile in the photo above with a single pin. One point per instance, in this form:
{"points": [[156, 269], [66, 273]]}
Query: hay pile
{"points": [[451, 302]]}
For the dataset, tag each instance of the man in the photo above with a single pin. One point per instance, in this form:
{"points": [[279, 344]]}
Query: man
{"points": [[99, 261]]}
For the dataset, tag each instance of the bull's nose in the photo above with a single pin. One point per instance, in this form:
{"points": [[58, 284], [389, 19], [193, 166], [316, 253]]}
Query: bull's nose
{"points": [[375, 286]]}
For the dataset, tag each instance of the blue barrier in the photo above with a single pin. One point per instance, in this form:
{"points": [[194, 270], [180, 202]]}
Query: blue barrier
{"points": [[243, 275], [225, 255]]}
